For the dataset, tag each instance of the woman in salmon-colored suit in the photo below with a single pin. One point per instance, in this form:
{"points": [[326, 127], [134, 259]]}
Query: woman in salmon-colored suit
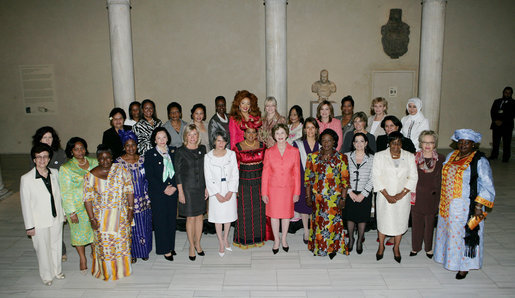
{"points": [[280, 187]]}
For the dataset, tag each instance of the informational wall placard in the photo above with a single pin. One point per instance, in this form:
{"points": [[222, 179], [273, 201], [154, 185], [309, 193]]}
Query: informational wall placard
{"points": [[38, 89]]}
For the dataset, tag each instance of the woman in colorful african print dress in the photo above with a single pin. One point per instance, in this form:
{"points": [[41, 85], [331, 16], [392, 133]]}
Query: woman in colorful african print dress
{"points": [[142, 229], [467, 188], [109, 201], [71, 182], [326, 179]]}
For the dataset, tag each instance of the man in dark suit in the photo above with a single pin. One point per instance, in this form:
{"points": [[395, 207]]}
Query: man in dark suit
{"points": [[502, 113]]}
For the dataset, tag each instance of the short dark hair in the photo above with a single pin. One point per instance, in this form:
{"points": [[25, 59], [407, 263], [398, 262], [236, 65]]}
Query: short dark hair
{"points": [[174, 104], [330, 132], [102, 148], [134, 103], [36, 138], [115, 111], [297, 109], [195, 107], [220, 97], [368, 150], [315, 123], [154, 134], [41, 147], [507, 88], [348, 98], [144, 102], [277, 127], [394, 120], [71, 143], [396, 135], [219, 133]]}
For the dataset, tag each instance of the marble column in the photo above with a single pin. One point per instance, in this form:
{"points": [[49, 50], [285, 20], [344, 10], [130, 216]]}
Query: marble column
{"points": [[431, 59], [121, 52], [275, 39]]}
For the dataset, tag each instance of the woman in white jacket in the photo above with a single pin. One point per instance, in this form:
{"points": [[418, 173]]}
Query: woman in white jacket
{"points": [[43, 214], [395, 175], [415, 122], [222, 177]]}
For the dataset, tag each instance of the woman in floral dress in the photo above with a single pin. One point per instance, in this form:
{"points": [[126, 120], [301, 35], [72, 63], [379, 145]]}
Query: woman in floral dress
{"points": [[326, 178]]}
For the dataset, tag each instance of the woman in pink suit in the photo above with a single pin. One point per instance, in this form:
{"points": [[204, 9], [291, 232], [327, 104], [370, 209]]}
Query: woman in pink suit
{"points": [[280, 187]]}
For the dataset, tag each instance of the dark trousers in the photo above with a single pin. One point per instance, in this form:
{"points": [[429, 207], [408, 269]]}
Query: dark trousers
{"points": [[422, 227], [164, 218], [505, 134]]}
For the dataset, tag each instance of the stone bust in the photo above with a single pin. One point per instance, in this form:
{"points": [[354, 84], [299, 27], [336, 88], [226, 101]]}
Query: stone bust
{"points": [[323, 88]]}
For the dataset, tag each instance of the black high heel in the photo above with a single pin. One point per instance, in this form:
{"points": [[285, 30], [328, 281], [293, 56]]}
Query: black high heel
{"points": [[192, 258], [379, 256], [286, 248], [275, 250], [200, 253], [396, 258], [169, 258], [412, 254], [332, 255], [459, 276]]}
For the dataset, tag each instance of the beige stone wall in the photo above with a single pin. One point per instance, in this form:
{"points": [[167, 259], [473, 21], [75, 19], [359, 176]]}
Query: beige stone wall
{"points": [[191, 51]]}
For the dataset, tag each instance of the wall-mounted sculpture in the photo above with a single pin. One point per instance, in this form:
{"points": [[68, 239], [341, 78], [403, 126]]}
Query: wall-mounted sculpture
{"points": [[395, 35]]}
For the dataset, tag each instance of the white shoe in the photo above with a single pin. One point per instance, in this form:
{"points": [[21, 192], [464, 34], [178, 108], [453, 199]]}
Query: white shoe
{"points": [[47, 282], [229, 248], [60, 276], [221, 254]]}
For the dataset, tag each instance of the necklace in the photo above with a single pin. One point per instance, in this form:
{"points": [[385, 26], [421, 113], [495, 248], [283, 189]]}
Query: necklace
{"points": [[82, 164], [253, 143]]}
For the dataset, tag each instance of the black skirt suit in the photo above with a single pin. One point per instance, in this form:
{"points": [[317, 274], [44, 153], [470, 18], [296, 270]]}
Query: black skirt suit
{"points": [[189, 167], [164, 207]]}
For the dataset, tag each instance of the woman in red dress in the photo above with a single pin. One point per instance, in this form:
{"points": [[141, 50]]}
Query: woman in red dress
{"points": [[244, 110]]}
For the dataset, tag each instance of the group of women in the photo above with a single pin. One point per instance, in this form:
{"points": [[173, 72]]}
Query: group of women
{"points": [[259, 173]]}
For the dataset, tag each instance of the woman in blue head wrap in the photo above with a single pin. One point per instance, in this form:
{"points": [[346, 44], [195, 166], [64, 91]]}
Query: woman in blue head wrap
{"points": [[467, 188], [142, 229]]}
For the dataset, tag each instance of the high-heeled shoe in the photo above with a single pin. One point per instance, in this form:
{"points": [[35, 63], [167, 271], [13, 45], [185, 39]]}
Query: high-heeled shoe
{"points": [[459, 276], [429, 255], [286, 248], [200, 253], [359, 250], [379, 256], [275, 250], [221, 254], [396, 258], [332, 255], [192, 258], [412, 253], [228, 248], [169, 258]]}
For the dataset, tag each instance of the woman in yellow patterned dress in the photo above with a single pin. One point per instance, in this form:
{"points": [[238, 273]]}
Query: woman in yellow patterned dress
{"points": [[109, 200], [71, 183], [326, 179]]}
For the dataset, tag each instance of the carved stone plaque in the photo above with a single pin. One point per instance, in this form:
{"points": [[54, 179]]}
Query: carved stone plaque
{"points": [[395, 35]]}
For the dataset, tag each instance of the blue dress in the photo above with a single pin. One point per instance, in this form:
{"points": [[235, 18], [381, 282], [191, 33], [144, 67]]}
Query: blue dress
{"points": [[142, 228], [452, 217]]}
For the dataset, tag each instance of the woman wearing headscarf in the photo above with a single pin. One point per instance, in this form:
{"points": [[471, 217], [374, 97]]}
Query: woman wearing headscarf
{"points": [[467, 188], [142, 228], [415, 122]]}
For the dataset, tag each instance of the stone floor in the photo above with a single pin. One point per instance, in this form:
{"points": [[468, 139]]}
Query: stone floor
{"points": [[259, 273]]}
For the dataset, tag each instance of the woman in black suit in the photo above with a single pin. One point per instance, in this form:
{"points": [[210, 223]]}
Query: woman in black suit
{"points": [[163, 195], [111, 136]]}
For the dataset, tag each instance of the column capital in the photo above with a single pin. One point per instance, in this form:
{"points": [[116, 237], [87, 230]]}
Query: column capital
{"points": [[118, 2], [433, 1]]}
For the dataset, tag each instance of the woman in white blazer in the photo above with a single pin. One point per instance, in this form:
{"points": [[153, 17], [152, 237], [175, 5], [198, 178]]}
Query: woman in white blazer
{"points": [[43, 214], [222, 178], [395, 175], [415, 122]]}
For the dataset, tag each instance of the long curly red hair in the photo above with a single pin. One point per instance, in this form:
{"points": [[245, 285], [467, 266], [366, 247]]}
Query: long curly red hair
{"points": [[235, 107]]}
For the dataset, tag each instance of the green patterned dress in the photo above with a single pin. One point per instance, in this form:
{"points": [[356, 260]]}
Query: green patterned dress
{"points": [[71, 182]]}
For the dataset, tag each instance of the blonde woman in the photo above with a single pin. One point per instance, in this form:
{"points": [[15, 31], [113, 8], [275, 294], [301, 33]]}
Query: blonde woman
{"points": [[189, 175], [378, 109], [270, 119]]}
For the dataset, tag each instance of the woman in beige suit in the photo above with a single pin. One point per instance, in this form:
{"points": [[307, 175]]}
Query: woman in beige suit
{"points": [[395, 176], [43, 214]]}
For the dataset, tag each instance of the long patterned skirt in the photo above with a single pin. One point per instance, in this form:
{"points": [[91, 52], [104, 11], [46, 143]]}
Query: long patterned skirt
{"points": [[250, 228], [326, 234], [142, 234]]}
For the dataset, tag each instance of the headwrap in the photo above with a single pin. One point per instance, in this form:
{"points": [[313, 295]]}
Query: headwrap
{"points": [[417, 103], [127, 135], [466, 134]]}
